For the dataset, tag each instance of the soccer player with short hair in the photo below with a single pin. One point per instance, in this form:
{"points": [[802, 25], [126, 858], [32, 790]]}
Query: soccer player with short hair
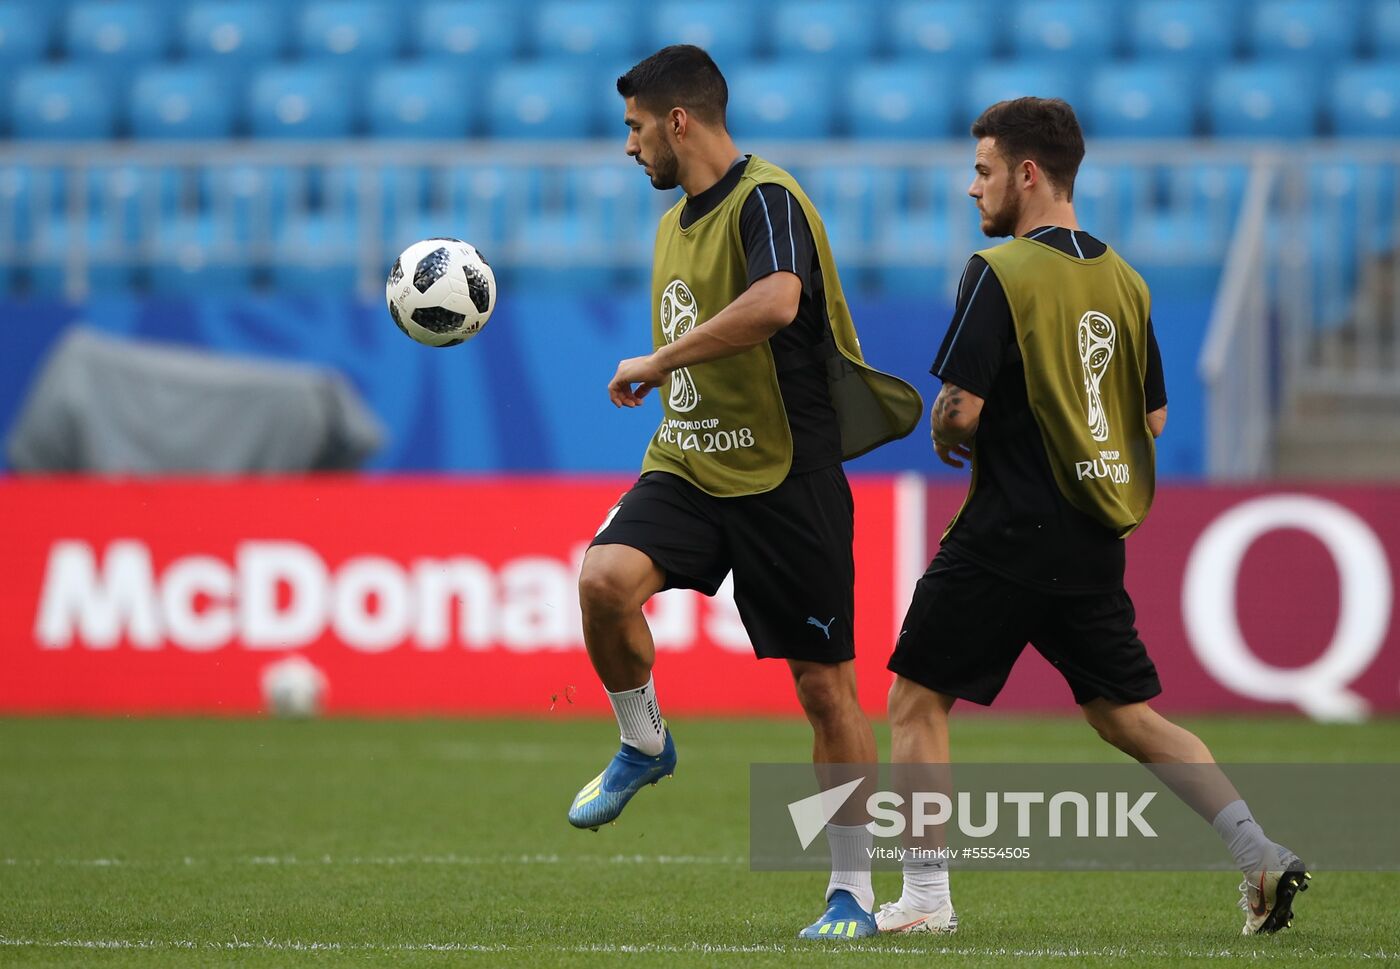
{"points": [[1053, 389], [763, 393]]}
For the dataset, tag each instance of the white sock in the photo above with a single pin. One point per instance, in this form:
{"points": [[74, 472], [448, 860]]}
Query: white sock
{"points": [[851, 845], [925, 884], [1242, 835], [639, 718]]}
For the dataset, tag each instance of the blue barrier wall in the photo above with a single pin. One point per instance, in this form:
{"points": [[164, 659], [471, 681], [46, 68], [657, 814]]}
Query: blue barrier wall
{"points": [[529, 394]]}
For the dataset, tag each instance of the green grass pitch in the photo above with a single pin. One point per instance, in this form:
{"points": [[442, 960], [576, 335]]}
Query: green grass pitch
{"points": [[155, 843]]}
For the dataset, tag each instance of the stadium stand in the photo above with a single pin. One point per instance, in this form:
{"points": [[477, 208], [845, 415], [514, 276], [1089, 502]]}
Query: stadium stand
{"points": [[485, 31], [720, 26]]}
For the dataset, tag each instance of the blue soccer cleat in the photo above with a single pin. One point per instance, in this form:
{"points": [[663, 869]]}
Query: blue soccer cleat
{"points": [[603, 798], [843, 919]]}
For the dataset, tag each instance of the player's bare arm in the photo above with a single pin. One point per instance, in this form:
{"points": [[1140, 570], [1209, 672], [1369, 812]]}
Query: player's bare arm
{"points": [[1157, 420], [760, 311], [953, 422]]}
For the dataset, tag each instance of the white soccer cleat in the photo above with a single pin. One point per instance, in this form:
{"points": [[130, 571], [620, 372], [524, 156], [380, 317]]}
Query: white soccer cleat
{"points": [[897, 917], [1267, 896]]}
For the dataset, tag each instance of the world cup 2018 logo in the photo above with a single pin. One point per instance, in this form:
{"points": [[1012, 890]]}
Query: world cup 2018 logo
{"points": [[678, 316], [1097, 336]]}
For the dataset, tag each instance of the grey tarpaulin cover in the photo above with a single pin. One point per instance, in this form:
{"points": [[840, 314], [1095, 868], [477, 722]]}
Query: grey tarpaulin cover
{"points": [[113, 405]]}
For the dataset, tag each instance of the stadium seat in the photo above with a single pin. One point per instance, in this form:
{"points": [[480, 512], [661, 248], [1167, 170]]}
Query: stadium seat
{"points": [[191, 255], [916, 253], [249, 201], [1262, 100], [65, 251], [1355, 203], [357, 32], [898, 99], [594, 29], [232, 31], [540, 100], [115, 32], [1200, 30], [61, 101], [484, 199], [838, 31], [1139, 100], [778, 101], [1004, 80], [181, 101], [480, 30], [348, 191], [315, 255], [858, 198], [1212, 190], [424, 99], [617, 199], [1366, 100], [301, 101], [957, 31], [725, 28], [1383, 31], [566, 255], [1319, 30], [28, 195], [132, 199], [1064, 30], [1109, 199], [23, 36]]}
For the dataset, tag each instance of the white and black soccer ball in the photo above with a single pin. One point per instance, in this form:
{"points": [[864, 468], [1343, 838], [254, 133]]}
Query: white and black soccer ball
{"points": [[441, 292]]}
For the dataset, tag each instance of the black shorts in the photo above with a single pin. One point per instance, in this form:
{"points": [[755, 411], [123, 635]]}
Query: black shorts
{"points": [[966, 626], [789, 550]]}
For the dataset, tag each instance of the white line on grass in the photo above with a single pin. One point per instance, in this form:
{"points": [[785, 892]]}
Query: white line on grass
{"points": [[289, 945]]}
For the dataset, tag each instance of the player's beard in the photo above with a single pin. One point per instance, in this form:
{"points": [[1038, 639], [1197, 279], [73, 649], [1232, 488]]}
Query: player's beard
{"points": [[1002, 222], [665, 169]]}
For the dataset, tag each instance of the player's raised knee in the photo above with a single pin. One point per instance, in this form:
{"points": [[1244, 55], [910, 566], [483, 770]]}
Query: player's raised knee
{"points": [[616, 579]]}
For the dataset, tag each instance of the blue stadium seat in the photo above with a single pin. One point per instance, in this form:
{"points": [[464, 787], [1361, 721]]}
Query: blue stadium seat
{"points": [[566, 255], [232, 31], [958, 31], [132, 199], [115, 32], [916, 252], [617, 199], [727, 29], [597, 29], [181, 101], [61, 101], [1384, 29], [1064, 29], [1319, 30], [858, 198], [1262, 100], [779, 100], [424, 99], [1366, 100], [1355, 203], [485, 199], [192, 256], [1139, 100], [898, 99], [23, 35], [1004, 80], [61, 243], [251, 201], [831, 30], [481, 30], [540, 100], [1108, 199], [301, 101], [1212, 190], [315, 255], [402, 192], [354, 31], [28, 196], [1201, 30]]}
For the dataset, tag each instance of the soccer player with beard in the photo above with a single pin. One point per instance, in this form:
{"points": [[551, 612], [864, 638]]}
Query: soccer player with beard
{"points": [[1053, 389], [763, 394]]}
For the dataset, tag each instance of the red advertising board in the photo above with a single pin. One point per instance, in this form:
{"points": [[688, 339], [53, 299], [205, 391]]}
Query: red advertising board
{"points": [[450, 595], [425, 595]]}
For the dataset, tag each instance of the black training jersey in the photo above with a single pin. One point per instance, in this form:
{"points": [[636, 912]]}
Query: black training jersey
{"points": [[1017, 522], [776, 238]]}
